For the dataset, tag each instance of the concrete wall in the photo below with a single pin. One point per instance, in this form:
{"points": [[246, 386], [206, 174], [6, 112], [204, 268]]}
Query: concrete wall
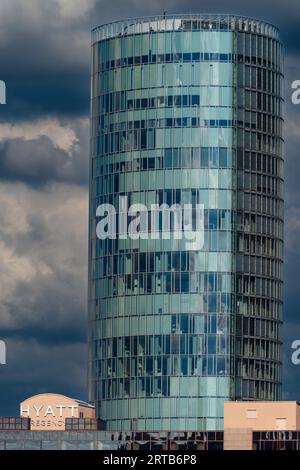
{"points": [[262, 416]]}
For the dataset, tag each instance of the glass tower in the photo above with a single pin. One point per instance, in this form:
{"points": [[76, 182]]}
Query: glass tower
{"points": [[186, 109]]}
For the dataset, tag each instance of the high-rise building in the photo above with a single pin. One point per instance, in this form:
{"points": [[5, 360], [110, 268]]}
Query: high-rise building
{"points": [[186, 109]]}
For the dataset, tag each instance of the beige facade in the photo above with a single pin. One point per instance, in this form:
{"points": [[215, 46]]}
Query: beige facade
{"points": [[48, 411], [242, 418]]}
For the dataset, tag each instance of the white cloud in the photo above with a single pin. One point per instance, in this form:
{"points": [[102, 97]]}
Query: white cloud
{"points": [[45, 37], [61, 135]]}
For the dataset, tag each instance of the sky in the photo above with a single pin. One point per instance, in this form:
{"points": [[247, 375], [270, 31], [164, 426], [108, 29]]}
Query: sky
{"points": [[44, 148]]}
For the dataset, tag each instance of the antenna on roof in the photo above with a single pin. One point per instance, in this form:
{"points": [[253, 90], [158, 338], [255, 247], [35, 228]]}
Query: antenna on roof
{"points": [[164, 12]]}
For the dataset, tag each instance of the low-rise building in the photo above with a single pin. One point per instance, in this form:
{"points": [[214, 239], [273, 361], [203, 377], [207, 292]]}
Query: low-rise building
{"points": [[56, 422]]}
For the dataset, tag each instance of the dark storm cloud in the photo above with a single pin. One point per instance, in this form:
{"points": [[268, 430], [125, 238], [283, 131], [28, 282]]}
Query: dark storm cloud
{"points": [[291, 330], [46, 298], [291, 372], [61, 314], [44, 59], [37, 162], [35, 367], [31, 97]]}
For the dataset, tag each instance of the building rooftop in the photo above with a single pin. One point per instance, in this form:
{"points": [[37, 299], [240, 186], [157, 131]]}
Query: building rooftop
{"points": [[184, 22]]}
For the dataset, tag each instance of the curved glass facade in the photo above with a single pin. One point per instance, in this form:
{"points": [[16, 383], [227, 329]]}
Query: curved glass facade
{"points": [[259, 218], [186, 110]]}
